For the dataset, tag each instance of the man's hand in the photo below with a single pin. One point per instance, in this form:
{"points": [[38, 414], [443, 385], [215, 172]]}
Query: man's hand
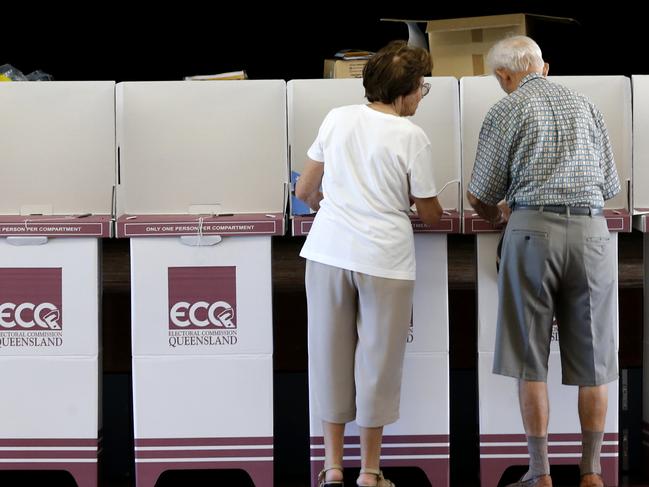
{"points": [[496, 214], [505, 212]]}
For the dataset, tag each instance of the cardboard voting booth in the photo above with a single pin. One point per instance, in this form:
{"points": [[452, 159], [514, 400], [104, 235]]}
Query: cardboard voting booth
{"points": [[640, 205], [57, 143], [420, 438], [502, 437], [203, 184]]}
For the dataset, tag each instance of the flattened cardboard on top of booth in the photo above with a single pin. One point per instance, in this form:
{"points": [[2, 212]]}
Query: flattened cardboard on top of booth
{"points": [[458, 46]]}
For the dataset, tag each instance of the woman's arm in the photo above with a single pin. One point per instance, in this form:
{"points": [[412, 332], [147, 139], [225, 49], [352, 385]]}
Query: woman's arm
{"points": [[308, 185], [428, 209]]}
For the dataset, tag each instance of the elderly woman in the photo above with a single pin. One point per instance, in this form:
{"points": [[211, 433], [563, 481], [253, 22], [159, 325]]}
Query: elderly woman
{"points": [[372, 163]]}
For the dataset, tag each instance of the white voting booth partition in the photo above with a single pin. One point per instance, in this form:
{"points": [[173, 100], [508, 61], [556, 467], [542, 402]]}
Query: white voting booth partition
{"points": [[502, 437], [420, 438], [640, 212], [57, 143], [203, 178]]}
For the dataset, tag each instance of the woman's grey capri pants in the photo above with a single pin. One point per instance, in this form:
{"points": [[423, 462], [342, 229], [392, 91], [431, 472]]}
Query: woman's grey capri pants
{"points": [[358, 326]]}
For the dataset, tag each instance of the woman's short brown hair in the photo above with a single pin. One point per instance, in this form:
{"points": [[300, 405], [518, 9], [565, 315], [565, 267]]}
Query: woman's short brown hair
{"points": [[395, 71]]}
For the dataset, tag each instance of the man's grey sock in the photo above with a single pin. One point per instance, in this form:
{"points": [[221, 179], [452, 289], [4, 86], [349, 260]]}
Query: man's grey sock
{"points": [[539, 464], [591, 446]]}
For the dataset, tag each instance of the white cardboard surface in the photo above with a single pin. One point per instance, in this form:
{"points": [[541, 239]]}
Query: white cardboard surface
{"points": [[487, 290], [430, 304], [220, 144], [611, 94], [49, 397], [57, 143], [203, 397], [150, 260], [309, 101], [78, 259]]}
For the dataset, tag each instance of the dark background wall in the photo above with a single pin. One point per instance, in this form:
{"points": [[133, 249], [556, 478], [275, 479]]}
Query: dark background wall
{"points": [[153, 41]]}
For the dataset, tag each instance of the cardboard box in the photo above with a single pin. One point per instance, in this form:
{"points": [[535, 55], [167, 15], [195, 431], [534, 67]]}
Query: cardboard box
{"points": [[419, 439], [203, 413], [458, 47], [339, 68], [201, 301], [203, 396], [49, 298], [429, 326], [51, 397], [502, 436]]}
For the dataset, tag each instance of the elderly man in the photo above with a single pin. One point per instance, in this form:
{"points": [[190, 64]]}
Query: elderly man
{"points": [[545, 150]]}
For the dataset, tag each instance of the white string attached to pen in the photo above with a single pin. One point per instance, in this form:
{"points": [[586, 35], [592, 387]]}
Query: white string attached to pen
{"points": [[200, 230], [450, 182]]}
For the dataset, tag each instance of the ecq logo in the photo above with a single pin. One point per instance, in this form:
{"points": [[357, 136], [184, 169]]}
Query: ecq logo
{"points": [[31, 299], [202, 297]]}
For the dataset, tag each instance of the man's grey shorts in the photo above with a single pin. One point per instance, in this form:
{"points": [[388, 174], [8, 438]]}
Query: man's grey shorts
{"points": [[563, 266]]}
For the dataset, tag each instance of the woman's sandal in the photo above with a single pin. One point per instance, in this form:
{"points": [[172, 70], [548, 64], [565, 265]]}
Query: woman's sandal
{"points": [[329, 483], [381, 481]]}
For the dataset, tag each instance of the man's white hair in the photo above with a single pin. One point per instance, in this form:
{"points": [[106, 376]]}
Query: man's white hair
{"points": [[517, 54]]}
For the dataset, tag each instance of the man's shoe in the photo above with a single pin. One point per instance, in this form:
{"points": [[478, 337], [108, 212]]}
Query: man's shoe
{"points": [[540, 481], [591, 480]]}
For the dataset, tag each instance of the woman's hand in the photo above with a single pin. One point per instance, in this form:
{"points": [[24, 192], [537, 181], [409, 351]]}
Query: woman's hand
{"points": [[308, 184]]}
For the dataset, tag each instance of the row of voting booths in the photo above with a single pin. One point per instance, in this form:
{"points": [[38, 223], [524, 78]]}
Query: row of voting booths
{"points": [[197, 176]]}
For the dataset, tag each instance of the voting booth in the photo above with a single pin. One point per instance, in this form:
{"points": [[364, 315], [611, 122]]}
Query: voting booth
{"points": [[420, 438], [640, 211], [57, 144], [203, 185], [502, 436]]}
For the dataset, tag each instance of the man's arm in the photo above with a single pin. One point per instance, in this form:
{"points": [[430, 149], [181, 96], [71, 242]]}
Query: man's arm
{"points": [[308, 185], [494, 214]]}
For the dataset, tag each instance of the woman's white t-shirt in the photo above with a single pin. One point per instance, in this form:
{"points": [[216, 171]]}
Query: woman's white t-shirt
{"points": [[373, 160]]}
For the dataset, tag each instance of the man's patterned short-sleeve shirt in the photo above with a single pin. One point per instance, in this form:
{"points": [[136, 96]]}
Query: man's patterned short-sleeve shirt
{"points": [[544, 145]]}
